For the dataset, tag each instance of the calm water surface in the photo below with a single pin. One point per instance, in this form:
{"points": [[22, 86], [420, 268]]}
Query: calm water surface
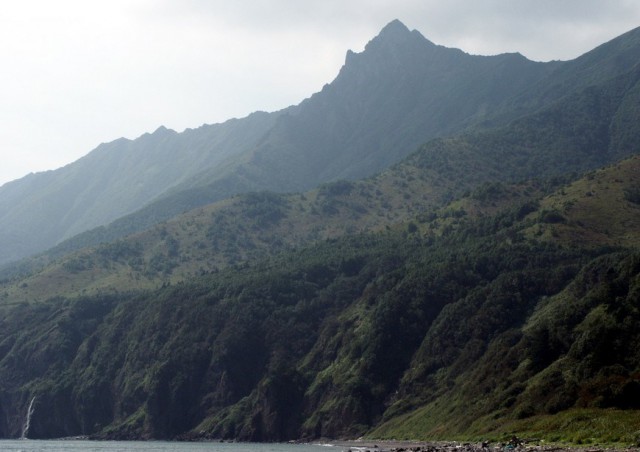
{"points": [[153, 446]]}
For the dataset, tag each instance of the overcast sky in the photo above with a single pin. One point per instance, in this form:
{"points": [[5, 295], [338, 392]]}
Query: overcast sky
{"points": [[76, 73]]}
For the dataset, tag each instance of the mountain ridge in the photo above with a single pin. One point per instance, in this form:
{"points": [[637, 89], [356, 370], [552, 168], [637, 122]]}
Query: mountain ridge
{"points": [[484, 285], [253, 170], [110, 179], [357, 329], [384, 103], [566, 141]]}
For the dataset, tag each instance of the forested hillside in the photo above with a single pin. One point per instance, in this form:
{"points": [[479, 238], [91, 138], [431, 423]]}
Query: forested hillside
{"points": [[484, 285], [339, 337]]}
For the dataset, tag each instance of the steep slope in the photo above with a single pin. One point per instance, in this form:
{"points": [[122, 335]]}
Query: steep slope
{"points": [[435, 299], [399, 92], [396, 94], [561, 365], [606, 61], [234, 232], [582, 131], [477, 320], [412, 90], [113, 180], [403, 90]]}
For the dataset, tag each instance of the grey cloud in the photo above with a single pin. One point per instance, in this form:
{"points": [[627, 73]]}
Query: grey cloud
{"points": [[542, 29]]}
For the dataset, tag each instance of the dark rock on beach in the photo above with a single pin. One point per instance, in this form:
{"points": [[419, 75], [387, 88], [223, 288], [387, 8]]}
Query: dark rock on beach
{"points": [[514, 445]]}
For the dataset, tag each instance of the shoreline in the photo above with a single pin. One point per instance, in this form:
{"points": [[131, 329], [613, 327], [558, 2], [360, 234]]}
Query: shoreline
{"points": [[462, 446], [369, 445]]}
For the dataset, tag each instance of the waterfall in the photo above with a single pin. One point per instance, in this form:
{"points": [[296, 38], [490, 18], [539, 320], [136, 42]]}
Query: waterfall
{"points": [[27, 421]]}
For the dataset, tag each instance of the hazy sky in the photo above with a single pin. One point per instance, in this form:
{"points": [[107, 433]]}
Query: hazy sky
{"points": [[75, 73]]}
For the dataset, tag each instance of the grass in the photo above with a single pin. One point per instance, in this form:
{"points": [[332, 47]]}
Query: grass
{"points": [[596, 209], [222, 234], [578, 426], [575, 426]]}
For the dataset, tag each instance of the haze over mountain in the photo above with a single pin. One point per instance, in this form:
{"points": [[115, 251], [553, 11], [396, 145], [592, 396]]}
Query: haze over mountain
{"points": [[113, 180], [484, 284], [399, 92]]}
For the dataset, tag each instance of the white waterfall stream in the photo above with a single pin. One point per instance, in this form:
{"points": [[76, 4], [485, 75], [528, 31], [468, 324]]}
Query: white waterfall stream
{"points": [[27, 420]]}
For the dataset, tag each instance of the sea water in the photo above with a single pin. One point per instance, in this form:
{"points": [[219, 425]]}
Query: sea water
{"points": [[155, 446]]}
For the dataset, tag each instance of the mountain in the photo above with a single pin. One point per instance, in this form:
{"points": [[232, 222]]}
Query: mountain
{"points": [[577, 133], [115, 179], [479, 315], [229, 233], [401, 91], [485, 285]]}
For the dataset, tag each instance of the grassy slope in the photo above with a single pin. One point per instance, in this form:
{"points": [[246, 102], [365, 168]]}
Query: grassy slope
{"points": [[359, 331], [554, 400], [596, 210], [457, 410], [230, 232]]}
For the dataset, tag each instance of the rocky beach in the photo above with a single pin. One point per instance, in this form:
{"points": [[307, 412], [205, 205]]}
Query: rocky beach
{"points": [[515, 445]]}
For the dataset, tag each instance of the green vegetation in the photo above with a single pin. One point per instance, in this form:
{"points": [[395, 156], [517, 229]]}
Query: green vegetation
{"points": [[576, 426], [485, 286], [447, 326]]}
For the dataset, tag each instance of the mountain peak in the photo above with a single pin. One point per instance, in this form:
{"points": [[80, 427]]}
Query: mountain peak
{"points": [[394, 28], [392, 38], [394, 34], [162, 130]]}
